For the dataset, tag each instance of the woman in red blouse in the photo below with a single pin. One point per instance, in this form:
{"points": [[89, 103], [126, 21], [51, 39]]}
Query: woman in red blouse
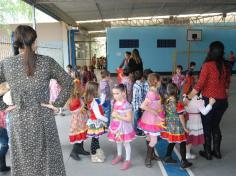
{"points": [[213, 82]]}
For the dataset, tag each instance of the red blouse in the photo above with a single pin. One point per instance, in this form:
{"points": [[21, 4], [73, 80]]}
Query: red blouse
{"points": [[74, 104], [209, 83], [92, 114]]}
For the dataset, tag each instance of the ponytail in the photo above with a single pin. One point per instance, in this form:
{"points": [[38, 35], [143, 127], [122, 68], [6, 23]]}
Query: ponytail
{"points": [[24, 38], [29, 61]]}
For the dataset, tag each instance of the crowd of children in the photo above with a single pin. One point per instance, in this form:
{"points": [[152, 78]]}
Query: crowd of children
{"points": [[141, 104], [148, 106]]}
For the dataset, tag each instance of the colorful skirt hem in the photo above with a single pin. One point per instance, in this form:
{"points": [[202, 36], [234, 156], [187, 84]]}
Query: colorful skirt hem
{"points": [[150, 128], [78, 138], [173, 138]]}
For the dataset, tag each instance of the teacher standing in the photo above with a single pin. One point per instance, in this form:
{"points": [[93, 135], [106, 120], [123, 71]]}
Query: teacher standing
{"points": [[35, 146], [213, 82], [135, 62]]}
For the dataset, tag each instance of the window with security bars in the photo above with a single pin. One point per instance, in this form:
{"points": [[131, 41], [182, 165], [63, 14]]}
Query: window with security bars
{"points": [[166, 43], [129, 43]]}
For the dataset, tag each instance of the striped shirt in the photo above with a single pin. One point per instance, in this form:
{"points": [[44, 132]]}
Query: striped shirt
{"points": [[105, 88], [145, 89], [138, 95]]}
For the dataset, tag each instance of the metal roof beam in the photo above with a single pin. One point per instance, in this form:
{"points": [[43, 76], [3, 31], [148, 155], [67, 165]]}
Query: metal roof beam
{"points": [[53, 11]]}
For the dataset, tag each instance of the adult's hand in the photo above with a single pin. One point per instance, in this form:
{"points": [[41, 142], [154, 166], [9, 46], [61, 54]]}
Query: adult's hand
{"points": [[50, 106], [192, 93], [10, 108], [227, 92]]}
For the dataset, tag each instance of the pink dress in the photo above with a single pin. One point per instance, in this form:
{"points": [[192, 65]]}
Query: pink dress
{"points": [[119, 130], [152, 124], [55, 89], [194, 109]]}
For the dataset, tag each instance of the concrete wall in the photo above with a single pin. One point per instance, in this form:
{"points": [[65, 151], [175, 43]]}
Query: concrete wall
{"points": [[161, 59]]}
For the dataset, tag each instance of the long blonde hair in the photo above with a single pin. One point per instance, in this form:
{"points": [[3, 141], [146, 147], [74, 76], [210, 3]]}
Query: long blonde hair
{"points": [[91, 91], [77, 90], [152, 78]]}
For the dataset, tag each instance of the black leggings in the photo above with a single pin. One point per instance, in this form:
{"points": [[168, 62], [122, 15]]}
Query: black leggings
{"points": [[94, 145], [211, 121], [182, 150]]}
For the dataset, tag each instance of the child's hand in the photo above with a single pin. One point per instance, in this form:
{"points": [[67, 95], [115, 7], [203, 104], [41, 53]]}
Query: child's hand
{"points": [[186, 101], [103, 118], [186, 130], [211, 101], [83, 110], [154, 112], [115, 114]]}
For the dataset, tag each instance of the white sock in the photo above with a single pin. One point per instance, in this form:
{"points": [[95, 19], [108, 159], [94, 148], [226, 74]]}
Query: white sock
{"points": [[119, 149], [188, 148], [127, 150]]}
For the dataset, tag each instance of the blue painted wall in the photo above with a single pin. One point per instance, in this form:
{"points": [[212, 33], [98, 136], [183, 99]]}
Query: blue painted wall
{"points": [[161, 59]]}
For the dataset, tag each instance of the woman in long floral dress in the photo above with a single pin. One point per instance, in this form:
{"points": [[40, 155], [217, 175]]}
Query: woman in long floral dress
{"points": [[34, 143]]}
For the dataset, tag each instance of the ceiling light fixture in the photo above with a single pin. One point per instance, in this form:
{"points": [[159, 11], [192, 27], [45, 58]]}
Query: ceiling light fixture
{"points": [[101, 31]]}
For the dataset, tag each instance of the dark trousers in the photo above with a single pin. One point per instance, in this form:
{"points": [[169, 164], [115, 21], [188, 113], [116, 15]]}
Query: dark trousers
{"points": [[137, 116], [211, 121]]}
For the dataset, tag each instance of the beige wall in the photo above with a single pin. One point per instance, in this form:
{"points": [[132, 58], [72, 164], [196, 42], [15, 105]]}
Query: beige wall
{"points": [[50, 31], [51, 41]]}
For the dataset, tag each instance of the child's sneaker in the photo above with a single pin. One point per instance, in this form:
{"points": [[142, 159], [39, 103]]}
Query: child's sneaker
{"points": [[126, 165], [116, 160], [140, 134], [190, 156], [185, 164], [100, 154], [96, 159]]}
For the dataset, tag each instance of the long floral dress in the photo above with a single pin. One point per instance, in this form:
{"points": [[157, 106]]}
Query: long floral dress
{"points": [[35, 145]]}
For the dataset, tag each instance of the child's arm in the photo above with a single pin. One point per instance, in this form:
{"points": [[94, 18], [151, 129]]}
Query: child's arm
{"points": [[95, 77], [96, 110], [103, 98], [180, 110], [183, 81], [182, 120], [102, 88], [128, 116], [145, 107], [205, 110]]}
